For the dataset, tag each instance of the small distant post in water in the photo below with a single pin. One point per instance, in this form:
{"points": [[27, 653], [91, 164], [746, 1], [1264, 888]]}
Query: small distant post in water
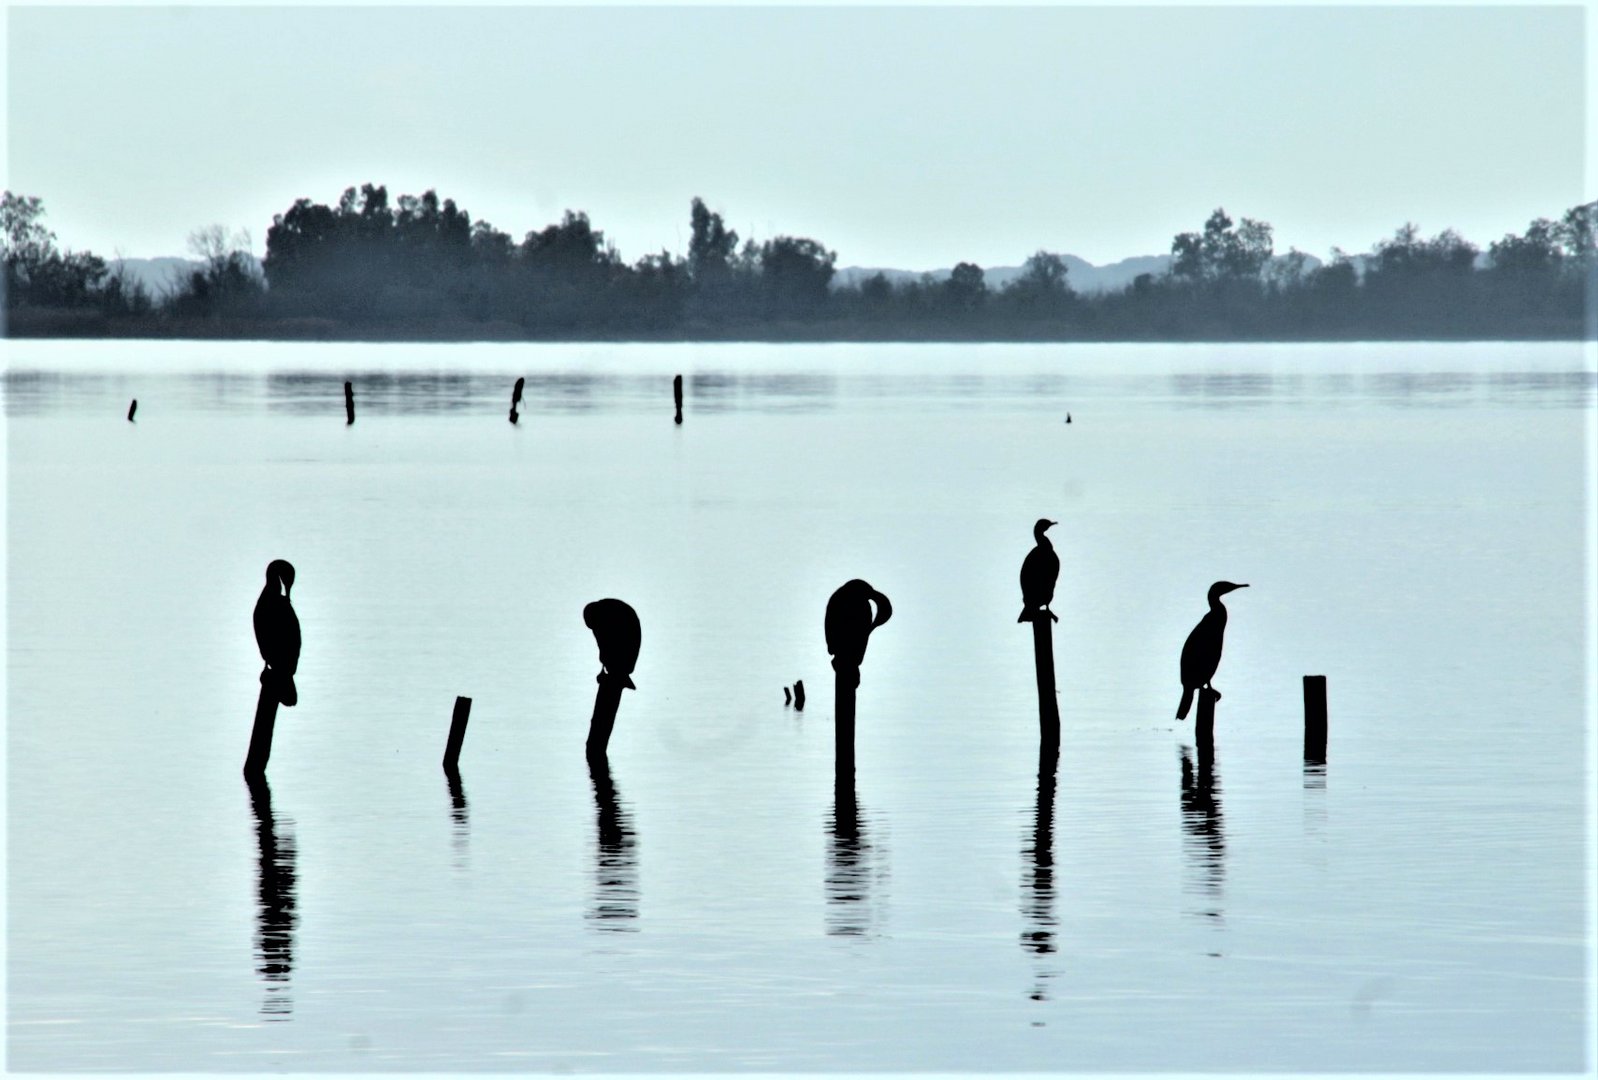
{"points": [[349, 403], [849, 623], [516, 398], [799, 695], [133, 407], [676, 393], [457, 733], [787, 697], [1067, 417], [1315, 719], [618, 634], [277, 635]]}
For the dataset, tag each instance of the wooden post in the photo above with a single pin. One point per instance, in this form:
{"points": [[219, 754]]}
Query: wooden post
{"points": [[457, 733], [676, 393], [261, 734], [133, 407], [1043, 658], [606, 701], [1315, 718], [799, 695], [1204, 724], [349, 403], [844, 682], [516, 397]]}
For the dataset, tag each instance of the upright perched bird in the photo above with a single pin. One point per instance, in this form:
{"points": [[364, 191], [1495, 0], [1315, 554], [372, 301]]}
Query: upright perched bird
{"points": [[616, 631], [1039, 571], [277, 631], [1201, 654], [850, 621]]}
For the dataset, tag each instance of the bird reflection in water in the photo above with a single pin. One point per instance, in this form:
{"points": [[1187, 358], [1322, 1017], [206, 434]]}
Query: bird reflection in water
{"points": [[275, 903], [1037, 882], [616, 858], [1204, 836], [460, 831], [852, 863]]}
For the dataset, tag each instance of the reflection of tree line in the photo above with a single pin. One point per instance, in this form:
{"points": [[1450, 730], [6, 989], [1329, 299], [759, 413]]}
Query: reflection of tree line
{"points": [[420, 266]]}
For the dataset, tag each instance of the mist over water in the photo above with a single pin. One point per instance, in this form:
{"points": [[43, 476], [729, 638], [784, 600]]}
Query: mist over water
{"points": [[1412, 521]]}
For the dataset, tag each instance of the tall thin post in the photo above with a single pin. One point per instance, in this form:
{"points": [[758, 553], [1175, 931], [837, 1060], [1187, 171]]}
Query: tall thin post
{"points": [[457, 733], [349, 403], [133, 407], [676, 393], [261, 733], [1315, 718], [1043, 658], [607, 699], [844, 682], [1204, 723]]}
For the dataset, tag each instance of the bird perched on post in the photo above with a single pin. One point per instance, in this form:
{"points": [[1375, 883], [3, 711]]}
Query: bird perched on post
{"points": [[1201, 654], [277, 631], [850, 621], [1039, 571], [616, 631]]}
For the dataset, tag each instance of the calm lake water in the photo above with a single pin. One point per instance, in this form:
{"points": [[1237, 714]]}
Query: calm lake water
{"points": [[1415, 523]]}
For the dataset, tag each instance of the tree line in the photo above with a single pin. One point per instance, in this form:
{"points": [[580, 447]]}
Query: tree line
{"points": [[419, 267]]}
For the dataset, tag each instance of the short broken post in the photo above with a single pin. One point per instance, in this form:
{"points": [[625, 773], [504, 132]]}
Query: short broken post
{"points": [[133, 407], [457, 733], [676, 393], [1315, 719], [261, 733], [516, 398], [799, 695], [349, 403]]}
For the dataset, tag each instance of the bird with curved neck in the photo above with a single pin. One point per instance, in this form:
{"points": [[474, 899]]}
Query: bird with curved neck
{"points": [[618, 635], [1201, 653], [277, 631], [1039, 571], [849, 623]]}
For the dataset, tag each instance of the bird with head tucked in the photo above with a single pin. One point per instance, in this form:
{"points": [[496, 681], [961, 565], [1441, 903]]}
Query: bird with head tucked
{"points": [[618, 635], [277, 631], [849, 623]]}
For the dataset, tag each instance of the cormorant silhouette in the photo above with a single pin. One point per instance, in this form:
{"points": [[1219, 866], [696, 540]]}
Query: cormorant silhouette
{"points": [[277, 630], [1201, 654], [616, 631], [850, 621], [1039, 571]]}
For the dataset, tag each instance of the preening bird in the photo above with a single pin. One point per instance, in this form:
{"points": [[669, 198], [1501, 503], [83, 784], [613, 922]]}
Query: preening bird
{"points": [[1039, 571], [277, 630], [1201, 654], [616, 631], [850, 621]]}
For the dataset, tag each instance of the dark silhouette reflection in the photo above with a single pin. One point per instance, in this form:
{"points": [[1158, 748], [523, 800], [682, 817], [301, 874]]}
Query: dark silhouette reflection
{"points": [[1037, 881], [1203, 832], [616, 857], [460, 831], [277, 632], [1201, 653], [851, 863], [275, 903]]}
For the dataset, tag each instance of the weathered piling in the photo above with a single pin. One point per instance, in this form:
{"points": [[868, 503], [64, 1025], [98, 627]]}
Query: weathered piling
{"points": [[261, 734], [133, 407], [799, 695], [1315, 719], [849, 622], [349, 403], [787, 696], [457, 733], [676, 394], [1043, 660], [1204, 722], [618, 634], [516, 398]]}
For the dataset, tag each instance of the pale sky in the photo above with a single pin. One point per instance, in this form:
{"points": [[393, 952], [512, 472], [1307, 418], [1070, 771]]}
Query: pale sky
{"points": [[897, 136]]}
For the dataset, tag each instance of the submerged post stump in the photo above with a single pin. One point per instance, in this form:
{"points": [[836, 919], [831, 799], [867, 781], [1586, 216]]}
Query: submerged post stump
{"points": [[261, 733], [516, 397], [1043, 659], [676, 393], [349, 403], [1315, 718], [1204, 723], [799, 695], [133, 407], [457, 733]]}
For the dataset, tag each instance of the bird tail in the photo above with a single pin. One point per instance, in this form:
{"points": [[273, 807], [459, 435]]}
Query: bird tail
{"points": [[1186, 703], [1027, 615]]}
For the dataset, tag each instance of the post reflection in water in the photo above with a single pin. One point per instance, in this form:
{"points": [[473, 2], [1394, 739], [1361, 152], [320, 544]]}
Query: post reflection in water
{"points": [[460, 831], [616, 893], [852, 862], [275, 903], [1037, 882], [1204, 836]]}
